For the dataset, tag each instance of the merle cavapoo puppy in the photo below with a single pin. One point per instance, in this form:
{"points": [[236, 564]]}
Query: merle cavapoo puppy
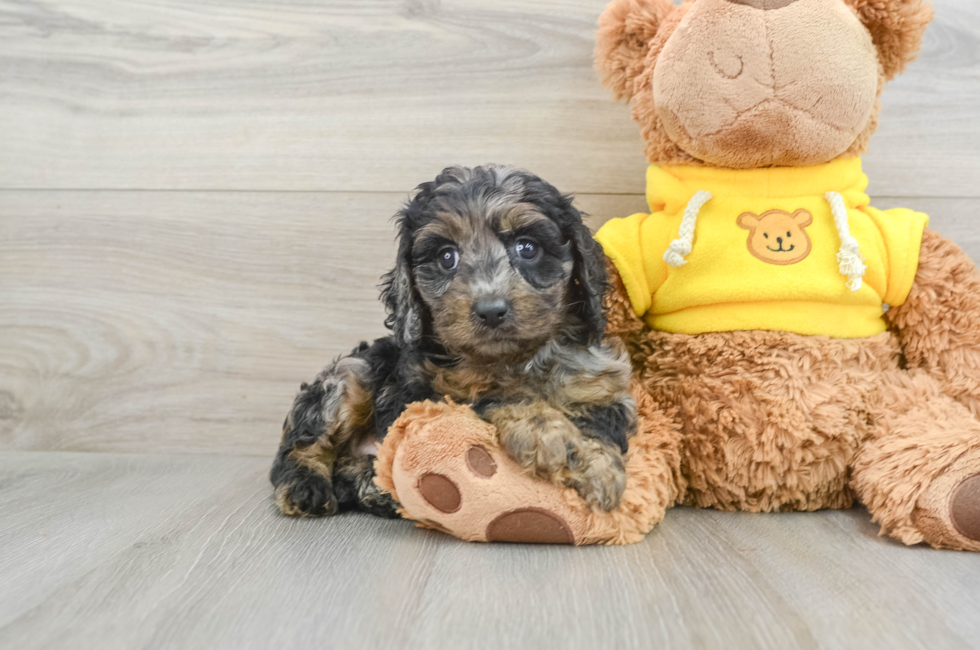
{"points": [[495, 300]]}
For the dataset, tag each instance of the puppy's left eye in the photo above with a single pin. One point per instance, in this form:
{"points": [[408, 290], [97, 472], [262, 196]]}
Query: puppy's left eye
{"points": [[448, 258], [527, 249]]}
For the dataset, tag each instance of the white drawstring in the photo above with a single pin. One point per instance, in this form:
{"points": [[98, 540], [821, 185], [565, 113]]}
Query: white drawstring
{"points": [[685, 239], [849, 258]]}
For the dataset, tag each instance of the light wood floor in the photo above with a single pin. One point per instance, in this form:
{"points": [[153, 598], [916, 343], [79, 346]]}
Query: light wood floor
{"points": [[194, 213], [161, 551]]}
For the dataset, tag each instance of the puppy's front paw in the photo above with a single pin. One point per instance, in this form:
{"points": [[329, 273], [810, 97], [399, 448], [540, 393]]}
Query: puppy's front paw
{"points": [[307, 495], [379, 504], [598, 474], [354, 486], [548, 445]]}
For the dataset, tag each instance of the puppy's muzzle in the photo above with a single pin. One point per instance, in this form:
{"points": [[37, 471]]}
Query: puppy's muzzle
{"points": [[491, 312]]}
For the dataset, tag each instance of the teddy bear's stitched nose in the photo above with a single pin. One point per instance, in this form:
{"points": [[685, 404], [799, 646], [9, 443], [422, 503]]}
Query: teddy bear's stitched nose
{"points": [[764, 4]]}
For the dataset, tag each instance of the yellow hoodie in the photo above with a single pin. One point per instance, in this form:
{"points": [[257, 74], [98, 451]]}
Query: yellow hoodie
{"points": [[794, 249]]}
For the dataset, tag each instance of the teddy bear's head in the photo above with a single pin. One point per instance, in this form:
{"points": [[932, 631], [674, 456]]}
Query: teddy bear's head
{"points": [[756, 83]]}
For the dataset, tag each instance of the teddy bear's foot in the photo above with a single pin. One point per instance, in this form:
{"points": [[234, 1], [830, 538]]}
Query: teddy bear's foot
{"points": [[445, 467], [948, 512], [449, 474], [529, 525]]}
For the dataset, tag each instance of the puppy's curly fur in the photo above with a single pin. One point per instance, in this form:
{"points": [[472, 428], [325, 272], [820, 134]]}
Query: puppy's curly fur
{"points": [[495, 300]]}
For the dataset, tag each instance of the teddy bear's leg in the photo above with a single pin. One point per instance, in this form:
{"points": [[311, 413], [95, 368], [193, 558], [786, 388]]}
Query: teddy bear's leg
{"points": [[928, 420], [446, 468], [919, 472]]}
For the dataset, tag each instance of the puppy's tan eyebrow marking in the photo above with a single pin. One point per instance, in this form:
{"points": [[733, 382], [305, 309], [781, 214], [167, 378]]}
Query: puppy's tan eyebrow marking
{"points": [[448, 225], [435, 228], [520, 216]]}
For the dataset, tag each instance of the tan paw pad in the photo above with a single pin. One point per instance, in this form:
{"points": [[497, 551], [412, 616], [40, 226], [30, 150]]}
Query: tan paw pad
{"points": [[480, 461], [964, 508], [530, 526], [440, 492]]}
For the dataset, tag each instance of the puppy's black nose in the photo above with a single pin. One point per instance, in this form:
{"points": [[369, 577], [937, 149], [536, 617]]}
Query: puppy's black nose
{"points": [[491, 312]]}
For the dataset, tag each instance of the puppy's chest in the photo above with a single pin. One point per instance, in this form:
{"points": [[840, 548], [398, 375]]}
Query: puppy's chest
{"points": [[467, 384]]}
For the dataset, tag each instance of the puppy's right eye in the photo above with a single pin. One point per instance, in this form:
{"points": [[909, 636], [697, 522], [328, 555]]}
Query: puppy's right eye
{"points": [[448, 258], [527, 249]]}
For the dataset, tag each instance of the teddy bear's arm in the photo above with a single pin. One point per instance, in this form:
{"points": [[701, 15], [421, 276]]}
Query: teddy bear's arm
{"points": [[939, 322]]}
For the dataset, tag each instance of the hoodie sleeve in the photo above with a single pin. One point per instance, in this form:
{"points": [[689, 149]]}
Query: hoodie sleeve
{"points": [[902, 231], [621, 242]]}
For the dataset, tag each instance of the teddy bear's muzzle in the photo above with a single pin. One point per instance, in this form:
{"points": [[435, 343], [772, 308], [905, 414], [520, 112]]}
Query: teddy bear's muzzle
{"points": [[764, 4], [738, 85]]}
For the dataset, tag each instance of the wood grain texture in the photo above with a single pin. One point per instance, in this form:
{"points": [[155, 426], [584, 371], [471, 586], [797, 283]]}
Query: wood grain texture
{"points": [[180, 321], [183, 322], [356, 95], [126, 551]]}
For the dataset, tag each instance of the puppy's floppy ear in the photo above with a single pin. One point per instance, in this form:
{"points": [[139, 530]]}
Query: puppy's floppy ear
{"points": [[589, 281], [406, 312], [626, 30], [896, 27]]}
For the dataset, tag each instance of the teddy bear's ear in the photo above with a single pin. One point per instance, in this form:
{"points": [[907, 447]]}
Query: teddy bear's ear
{"points": [[626, 29], [748, 221], [803, 218], [896, 27]]}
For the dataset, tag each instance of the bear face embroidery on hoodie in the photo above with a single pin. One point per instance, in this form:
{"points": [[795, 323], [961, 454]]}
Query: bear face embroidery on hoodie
{"points": [[776, 236]]}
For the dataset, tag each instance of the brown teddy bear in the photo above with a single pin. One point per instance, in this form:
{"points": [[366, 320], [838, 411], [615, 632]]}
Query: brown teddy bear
{"points": [[794, 348]]}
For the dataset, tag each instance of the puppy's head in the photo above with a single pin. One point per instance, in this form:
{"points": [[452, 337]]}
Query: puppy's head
{"points": [[492, 263]]}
